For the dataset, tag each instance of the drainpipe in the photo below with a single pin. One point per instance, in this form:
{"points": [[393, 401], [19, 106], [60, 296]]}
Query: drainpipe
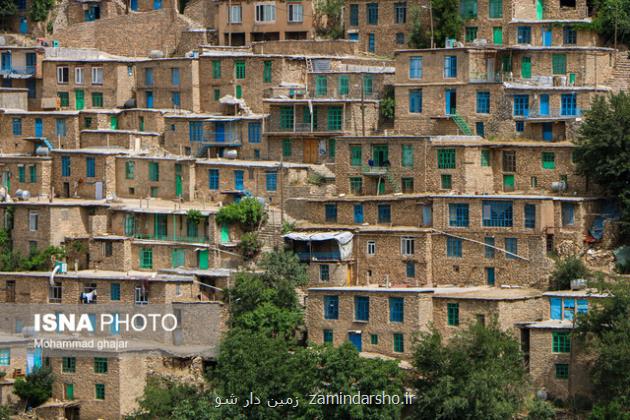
{"points": [[52, 274]]}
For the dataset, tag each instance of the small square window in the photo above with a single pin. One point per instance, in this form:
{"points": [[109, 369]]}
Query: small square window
{"points": [[374, 339], [562, 371]]}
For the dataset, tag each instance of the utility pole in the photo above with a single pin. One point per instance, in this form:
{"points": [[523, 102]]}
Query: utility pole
{"points": [[431, 18]]}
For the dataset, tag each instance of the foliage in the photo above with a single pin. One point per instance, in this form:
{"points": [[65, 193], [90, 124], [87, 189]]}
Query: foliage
{"points": [[194, 216], [315, 178], [609, 13], [605, 330], [283, 268], [388, 108], [447, 20], [250, 245], [270, 320], [8, 8], [419, 35], [5, 412], [249, 213], [40, 8], [328, 21], [567, 269], [541, 410], [287, 227], [479, 374], [603, 152], [36, 388], [42, 260]]}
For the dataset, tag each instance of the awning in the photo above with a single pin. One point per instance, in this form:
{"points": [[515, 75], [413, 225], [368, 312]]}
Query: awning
{"points": [[341, 237]]}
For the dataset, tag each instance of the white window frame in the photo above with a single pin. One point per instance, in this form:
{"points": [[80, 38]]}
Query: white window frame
{"points": [[292, 16], [33, 221], [60, 78], [234, 8], [371, 248], [261, 10], [78, 76], [407, 246], [97, 75]]}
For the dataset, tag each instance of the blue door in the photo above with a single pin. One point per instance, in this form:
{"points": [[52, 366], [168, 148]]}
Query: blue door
{"points": [[450, 101], [547, 131], [238, 180], [490, 280], [547, 37], [134, 5], [149, 99], [358, 213], [23, 26], [544, 105], [219, 128], [355, 339], [39, 127], [33, 359], [157, 4], [6, 61]]}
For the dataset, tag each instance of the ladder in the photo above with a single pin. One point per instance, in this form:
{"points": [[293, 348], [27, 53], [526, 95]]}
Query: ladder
{"points": [[461, 124]]}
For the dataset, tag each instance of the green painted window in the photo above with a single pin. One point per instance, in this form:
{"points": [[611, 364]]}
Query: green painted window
{"points": [[32, 172], [87, 122], [97, 100], [407, 155], [239, 69], [495, 9], [129, 224], [559, 63], [64, 99], [335, 118], [154, 171], [399, 343], [344, 85], [286, 117], [446, 181], [562, 371], [485, 157], [548, 160], [146, 258], [217, 94], [238, 91], [69, 391], [114, 292], [452, 312], [99, 391], [471, 33], [508, 182], [368, 84], [130, 169], [5, 357], [178, 257], [561, 342], [286, 147], [497, 35], [216, 69], [100, 365], [355, 155], [446, 158], [526, 67], [332, 148], [22, 173], [113, 122], [321, 86], [69, 364], [267, 72], [468, 9], [374, 339], [328, 336], [356, 184]]}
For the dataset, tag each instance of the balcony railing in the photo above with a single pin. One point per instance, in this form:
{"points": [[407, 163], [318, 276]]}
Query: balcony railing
{"points": [[24, 70], [173, 238], [276, 126], [559, 113], [478, 77], [228, 137], [319, 256]]}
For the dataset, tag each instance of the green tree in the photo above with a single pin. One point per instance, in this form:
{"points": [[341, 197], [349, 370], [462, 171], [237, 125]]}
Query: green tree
{"points": [[479, 374], [567, 269], [541, 410], [328, 18], [419, 34], [612, 17], [603, 152], [8, 8], [40, 9], [36, 388], [605, 331], [249, 213], [447, 20]]}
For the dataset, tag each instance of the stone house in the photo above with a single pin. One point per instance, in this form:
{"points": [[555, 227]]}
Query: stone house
{"points": [[165, 83], [27, 173], [84, 173], [27, 130], [21, 67]]}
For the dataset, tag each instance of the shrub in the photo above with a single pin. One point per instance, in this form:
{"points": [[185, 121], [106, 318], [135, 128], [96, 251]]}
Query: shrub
{"points": [[249, 213], [36, 388], [567, 269], [541, 410], [250, 245]]}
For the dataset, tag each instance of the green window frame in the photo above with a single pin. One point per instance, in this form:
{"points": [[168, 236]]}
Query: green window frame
{"points": [[446, 181], [69, 365], [286, 147], [114, 292], [355, 155], [559, 63], [561, 342], [407, 156], [130, 169], [356, 184], [154, 171], [446, 158], [286, 117], [471, 33], [99, 391], [332, 148], [5, 357], [100, 365], [267, 71], [216, 69], [485, 157], [130, 225], [146, 258], [321, 86], [562, 370], [335, 121], [399, 343], [64, 99], [452, 312], [217, 94], [32, 174], [343, 86], [548, 160], [97, 100], [368, 84], [178, 257], [328, 336], [239, 69], [495, 9], [21, 173], [374, 339]]}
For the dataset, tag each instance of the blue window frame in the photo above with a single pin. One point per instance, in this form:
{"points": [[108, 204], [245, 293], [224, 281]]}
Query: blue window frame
{"points": [[60, 127], [361, 308], [195, 131], [458, 215], [569, 309], [371, 42], [115, 291], [582, 306], [175, 79], [480, 129], [497, 213], [530, 216], [410, 268], [454, 247], [415, 100], [213, 179], [524, 35], [520, 126], [330, 211], [271, 181], [90, 167], [353, 36], [489, 250], [569, 35], [148, 76], [490, 276], [511, 245], [415, 67], [65, 166], [372, 13], [354, 15], [239, 176], [17, 126], [328, 336], [176, 99], [568, 214], [568, 104], [324, 272], [396, 309], [483, 102], [331, 307], [253, 132], [358, 213], [384, 213], [555, 306], [521, 105], [450, 66]]}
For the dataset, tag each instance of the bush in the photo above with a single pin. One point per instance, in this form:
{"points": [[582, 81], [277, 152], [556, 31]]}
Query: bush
{"points": [[40, 8], [541, 410], [250, 245], [36, 388], [388, 108], [249, 213], [5, 413], [194, 216], [567, 269]]}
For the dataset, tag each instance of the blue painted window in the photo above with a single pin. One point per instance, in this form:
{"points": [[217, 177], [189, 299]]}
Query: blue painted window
{"points": [[450, 66], [582, 306], [213, 179], [372, 13], [458, 215], [175, 79], [90, 167], [520, 126], [115, 291], [521, 105], [511, 245], [454, 247], [331, 307], [555, 308], [65, 166], [396, 309], [353, 36], [238, 180], [358, 213], [361, 308], [415, 67], [330, 211], [530, 216], [176, 99], [568, 214], [371, 42], [149, 97], [384, 213], [483, 102], [488, 250], [569, 35], [354, 15], [497, 213], [415, 100], [17, 126], [328, 336], [195, 131], [324, 272], [271, 181], [569, 309], [480, 129], [410, 268], [490, 276], [148, 76], [60, 127], [253, 132], [5, 357], [568, 104], [524, 35]]}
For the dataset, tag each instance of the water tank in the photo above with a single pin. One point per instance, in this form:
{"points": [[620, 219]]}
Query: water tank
{"points": [[230, 154], [578, 284], [22, 195], [558, 186], [3, 40], [42, 151], [156, 54]]}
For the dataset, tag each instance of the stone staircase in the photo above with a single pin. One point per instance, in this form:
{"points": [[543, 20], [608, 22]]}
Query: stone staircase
{"points": [[621, 72]]}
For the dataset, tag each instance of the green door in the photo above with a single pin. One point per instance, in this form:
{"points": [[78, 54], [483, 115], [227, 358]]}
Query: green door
{"points": [[79, 99], [178, 180], [497, 35], [380, 154], [69, 391], [381, 186], [178, 257], [203, 259], [225, 233], [539, 9], [526, 67], [571, 79], [113, 122], [508, 182], [160, 226]]}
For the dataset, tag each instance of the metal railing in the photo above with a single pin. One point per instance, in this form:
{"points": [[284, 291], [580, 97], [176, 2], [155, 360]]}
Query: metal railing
{"points": [[318, 255], [296, 127], [28, 70], [484, 77], [555, 113], [173, 238]]}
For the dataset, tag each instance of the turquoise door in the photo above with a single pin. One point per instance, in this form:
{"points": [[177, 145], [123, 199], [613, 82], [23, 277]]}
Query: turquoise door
{"points": [[547, 131], [450, 101], [6, 61], [358, 213], [23, 25], [355, 339], [157, 4], [238, 180], [203, 259], [225, 233], [490, 280], [39, 127], [134, 5], [544, 105], [547, 36]]}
